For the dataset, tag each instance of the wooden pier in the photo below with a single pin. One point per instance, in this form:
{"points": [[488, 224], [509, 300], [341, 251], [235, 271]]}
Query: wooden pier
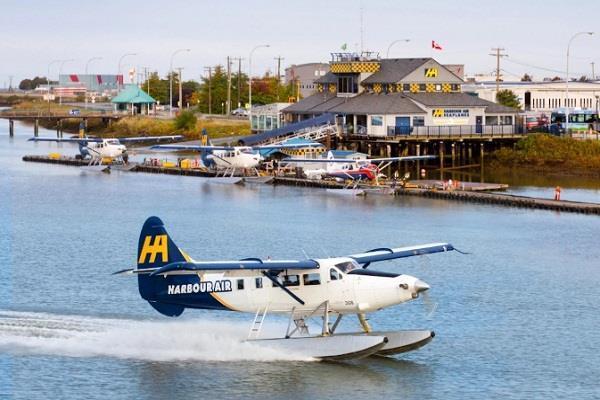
{"points": [[505, 200], [472, 195]]}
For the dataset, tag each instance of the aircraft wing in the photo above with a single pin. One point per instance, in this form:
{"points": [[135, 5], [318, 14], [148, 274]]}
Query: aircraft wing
{"points": [[406, 158], [69, 140], [320, 160], [287, 146], [192, 268], [383, 254], [149, 138], [189, 147]]}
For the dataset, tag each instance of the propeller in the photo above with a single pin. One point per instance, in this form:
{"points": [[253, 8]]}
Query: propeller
{"points": [[430, 305]]}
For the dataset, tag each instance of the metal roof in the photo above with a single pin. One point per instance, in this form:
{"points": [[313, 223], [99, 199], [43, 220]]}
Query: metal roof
{"points": [[132, 94], [307, 104]]}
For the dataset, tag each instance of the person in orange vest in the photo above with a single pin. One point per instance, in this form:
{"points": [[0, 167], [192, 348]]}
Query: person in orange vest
{"points": [[557, 193]]}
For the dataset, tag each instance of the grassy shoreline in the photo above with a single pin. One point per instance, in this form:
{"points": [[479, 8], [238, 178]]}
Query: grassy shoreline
{"points": [[549, 154], [140, 125]]}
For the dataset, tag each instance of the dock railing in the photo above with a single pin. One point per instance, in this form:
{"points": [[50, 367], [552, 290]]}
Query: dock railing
{"points": [[456, 131]]}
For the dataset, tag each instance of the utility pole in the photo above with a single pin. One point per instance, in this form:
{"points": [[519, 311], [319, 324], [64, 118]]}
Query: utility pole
{"points": [[209, 69], [239, 80], [593, 72], [278, 58], [180, 102], [498, 54], [228, 85], [10, 87]]}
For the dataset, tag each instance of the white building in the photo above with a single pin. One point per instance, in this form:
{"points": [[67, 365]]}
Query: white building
{"points": [[543, 96]]}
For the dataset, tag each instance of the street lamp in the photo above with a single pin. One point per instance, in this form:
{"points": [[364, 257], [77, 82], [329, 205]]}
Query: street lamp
{"points": [[89, 81], [250, 80], [119, 84], [387, 55], [48, 78], [171, 80], [567, 81], [62, 62]]}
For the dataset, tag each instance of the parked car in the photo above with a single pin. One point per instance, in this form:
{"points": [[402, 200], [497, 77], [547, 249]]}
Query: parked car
{"points": [[240, 112]]}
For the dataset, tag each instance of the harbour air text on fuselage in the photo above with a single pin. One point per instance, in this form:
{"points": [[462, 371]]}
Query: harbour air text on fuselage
{"points": [[172, 281]]}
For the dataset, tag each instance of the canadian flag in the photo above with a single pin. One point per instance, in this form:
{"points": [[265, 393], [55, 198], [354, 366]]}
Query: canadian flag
{"points": [[435, 45]]}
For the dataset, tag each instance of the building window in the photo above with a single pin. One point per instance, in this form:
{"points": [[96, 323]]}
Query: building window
{"points": [[311, 279], [491, 120], [422, 87], [347, 84], [258, 282], [438, 88], [455, 87], [406, 87], [418, 121], [376, 120], [240, 284], [506, 120]]}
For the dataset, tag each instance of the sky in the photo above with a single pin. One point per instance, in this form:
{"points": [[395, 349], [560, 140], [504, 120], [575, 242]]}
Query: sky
{"points": [[533, 33]]}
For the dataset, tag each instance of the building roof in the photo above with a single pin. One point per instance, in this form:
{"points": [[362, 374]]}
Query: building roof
{"points": [[459, 100], [132, 94], [392, 70], [307, 104], [371, 103], [329, 77]]}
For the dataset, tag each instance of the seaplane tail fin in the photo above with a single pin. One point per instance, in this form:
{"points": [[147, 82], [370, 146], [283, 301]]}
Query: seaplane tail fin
{"points": [[156, 249]]}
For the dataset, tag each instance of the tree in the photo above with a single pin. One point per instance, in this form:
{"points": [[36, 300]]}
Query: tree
{"points": [[31, 84], [526, 78], [508, 98], [556, 78]]}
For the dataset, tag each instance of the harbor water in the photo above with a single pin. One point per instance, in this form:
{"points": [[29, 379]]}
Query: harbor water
{"points": [[517, 317]]}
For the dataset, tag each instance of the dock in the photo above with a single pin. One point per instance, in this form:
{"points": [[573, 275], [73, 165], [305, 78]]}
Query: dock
{"points": [[473, 192]]}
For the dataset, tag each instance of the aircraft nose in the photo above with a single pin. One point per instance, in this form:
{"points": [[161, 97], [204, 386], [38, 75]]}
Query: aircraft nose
{"points": [[420, 286]]}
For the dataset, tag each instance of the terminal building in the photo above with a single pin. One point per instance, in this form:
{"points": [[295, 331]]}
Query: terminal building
{"points": [[544, 96], [73, 84], [403, 96]]}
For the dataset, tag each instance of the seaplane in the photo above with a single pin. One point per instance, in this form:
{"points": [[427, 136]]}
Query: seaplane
{"points": [[227, 160], [356, 169], [97, 149], [326, 288]]}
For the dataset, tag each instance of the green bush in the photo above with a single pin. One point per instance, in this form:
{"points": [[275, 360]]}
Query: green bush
{"points": [[186, 121]]}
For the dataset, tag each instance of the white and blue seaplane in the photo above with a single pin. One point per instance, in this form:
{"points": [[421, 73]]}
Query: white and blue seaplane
{"points": [[172, 281], [230, 161], [97, 149]]}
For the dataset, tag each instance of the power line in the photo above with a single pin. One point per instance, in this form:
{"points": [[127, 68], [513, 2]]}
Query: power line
{"points": [[512, 60]]}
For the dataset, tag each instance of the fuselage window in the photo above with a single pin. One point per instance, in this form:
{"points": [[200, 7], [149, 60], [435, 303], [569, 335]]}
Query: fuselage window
{"points": [[258, 282], [291, 280], [240, 284], [311, 279], [334, 274]]}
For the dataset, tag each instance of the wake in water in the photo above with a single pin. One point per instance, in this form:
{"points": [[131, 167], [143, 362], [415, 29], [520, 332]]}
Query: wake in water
{"points": [[81, 336]]}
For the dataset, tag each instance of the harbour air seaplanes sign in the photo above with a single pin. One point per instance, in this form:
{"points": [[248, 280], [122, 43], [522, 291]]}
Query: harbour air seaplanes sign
{"points": [[450, 116]]}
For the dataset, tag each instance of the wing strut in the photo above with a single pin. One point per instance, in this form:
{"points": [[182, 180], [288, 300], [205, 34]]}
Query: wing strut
{"points": [[277, 283]]}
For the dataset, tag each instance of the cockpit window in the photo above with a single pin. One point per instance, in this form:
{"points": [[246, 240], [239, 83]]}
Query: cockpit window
{"points": [[347, 266], [116, 142], [334, 274]]}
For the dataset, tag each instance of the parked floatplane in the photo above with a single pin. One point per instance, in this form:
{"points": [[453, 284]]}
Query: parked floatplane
{"points": [[99, 149], [331, 287]]}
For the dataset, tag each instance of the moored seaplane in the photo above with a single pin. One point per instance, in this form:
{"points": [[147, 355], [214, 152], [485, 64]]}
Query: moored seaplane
{"points": [[360, 169], [226, 160], [97, 149], [172, 281]]}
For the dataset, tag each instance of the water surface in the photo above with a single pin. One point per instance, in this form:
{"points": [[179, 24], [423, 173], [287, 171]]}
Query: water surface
{"points": [[516, 318]]}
